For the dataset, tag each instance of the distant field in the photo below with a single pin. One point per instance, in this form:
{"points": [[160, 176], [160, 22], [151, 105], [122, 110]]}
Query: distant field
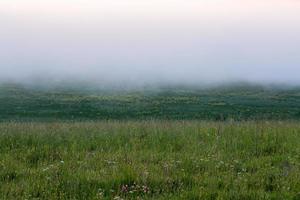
{"points": [[221, 103], [150, 160]]}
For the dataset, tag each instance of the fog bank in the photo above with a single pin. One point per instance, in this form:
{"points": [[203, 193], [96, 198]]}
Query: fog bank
{"points": [[150, 42]]}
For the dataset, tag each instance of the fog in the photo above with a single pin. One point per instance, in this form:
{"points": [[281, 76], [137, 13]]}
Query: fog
{"points": [[150, 42]]}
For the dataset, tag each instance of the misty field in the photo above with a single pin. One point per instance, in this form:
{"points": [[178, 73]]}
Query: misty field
{"points": [[64, 103], [150, 160]]}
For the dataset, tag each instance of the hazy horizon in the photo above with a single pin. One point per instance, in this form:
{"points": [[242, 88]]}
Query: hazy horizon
{"points": [[150, 42]]}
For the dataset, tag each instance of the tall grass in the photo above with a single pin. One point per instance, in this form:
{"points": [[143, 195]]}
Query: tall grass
{"points": [[150, 160]]}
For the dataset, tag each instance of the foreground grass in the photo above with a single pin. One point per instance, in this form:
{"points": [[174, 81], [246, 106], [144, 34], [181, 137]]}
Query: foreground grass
{"points": [[150, 160]]}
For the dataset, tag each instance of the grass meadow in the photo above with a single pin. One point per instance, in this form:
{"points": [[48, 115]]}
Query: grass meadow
{"points": [[150, 160]]}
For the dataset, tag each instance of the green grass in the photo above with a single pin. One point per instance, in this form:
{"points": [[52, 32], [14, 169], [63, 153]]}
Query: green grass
{"points": [[150, 160], [70, 143]]}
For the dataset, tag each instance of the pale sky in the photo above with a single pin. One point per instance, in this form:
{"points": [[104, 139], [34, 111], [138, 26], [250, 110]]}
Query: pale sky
{"points": [[148, 41]]}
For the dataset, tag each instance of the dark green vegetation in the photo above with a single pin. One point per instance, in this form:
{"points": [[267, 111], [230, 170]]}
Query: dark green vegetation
{"points": [[219, 103], [150, 160]]}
